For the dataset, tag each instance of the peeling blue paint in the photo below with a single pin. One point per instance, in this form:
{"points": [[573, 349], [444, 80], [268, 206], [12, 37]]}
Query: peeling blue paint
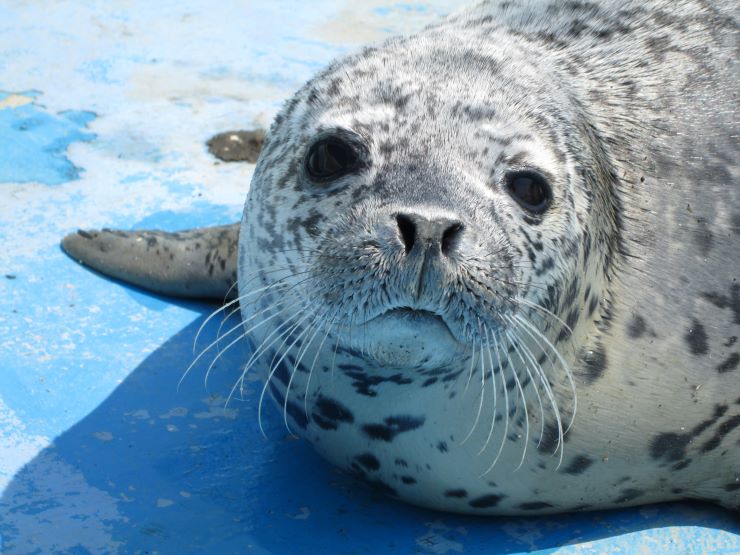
{"points": [[35, 142], [199, 214]]}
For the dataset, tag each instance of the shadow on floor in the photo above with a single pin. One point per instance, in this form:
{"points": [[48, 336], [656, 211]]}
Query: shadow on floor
{"points": [[154, 469]]}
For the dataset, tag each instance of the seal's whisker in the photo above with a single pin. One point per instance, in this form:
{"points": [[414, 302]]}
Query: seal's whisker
{"points": [[216, 312], [281, 329], [527, 284], [492, 335], [517, 344], [209, 318], [226, 319], [537, 369], [544, 311], [274, 367], [228, 291], [313, 325], [245, 334], [221, 309], [495, 395], [315, 358], [482, 393], [472, 367], [314, 316], [240, 300], [216, 341], [334, 354], [261, 348], [564, 365], [548, 391], [524, 406]]}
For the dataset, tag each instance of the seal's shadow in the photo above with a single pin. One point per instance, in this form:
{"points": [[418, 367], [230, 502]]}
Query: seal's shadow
{"points": [[157, 469]]}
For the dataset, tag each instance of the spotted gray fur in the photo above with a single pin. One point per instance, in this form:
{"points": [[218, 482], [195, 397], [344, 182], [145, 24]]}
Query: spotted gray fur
{"points": [[627, 108], [579, 359]]}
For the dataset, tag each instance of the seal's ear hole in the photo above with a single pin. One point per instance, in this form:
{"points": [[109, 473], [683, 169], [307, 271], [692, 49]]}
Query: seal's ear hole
{"points": [[330, 158], [530, 189]]}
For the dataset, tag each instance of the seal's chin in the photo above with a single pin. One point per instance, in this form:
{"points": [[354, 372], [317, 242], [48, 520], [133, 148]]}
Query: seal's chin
{"points": [[409, 338]]}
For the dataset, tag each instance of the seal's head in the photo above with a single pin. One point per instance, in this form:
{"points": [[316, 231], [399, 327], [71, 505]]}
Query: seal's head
{"points": [[420, 219]]}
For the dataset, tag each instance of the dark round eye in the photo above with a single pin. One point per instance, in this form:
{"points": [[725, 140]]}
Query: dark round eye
{"points": [[530, 189], [330, 158]]}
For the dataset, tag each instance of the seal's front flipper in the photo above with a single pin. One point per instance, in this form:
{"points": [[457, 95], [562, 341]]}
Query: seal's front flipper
{"points": [[197, 263]]}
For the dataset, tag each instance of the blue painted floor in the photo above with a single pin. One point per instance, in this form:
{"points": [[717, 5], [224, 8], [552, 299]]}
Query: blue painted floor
{"points": [[105, 108]]}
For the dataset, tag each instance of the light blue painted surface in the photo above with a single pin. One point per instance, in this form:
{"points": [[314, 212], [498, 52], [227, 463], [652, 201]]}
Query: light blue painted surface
{"points": [[99, 450], [38, 142]]}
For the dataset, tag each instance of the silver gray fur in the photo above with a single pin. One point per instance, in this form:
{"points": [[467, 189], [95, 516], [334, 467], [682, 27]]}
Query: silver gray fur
{"points": [[193, 264], [449, 378]]}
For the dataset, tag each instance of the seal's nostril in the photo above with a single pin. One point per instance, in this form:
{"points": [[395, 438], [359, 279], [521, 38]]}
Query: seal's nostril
{"points": [[451, 236], [407, 227]]}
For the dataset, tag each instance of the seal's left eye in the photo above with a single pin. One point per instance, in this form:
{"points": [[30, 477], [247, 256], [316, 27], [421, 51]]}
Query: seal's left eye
{"points": [[330, 158], [530, 189]]}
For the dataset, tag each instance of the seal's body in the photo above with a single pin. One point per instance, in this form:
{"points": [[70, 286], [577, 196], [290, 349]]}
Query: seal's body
{"points": [[492, 267]]}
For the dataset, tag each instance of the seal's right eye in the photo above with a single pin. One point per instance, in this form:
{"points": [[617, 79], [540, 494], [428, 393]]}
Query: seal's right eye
{"points": [[330, 158]]}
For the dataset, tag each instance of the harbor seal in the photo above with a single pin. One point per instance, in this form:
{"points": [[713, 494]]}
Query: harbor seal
{"points": [[492, 267]]}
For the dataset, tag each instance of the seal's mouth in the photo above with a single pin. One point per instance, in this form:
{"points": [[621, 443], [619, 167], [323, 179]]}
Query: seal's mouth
{"points": [[418, 318], [408, 312], [404, 337]]}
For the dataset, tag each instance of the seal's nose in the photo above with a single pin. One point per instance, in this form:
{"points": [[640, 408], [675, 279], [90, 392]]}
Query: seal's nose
{"points": [[415, 229]]}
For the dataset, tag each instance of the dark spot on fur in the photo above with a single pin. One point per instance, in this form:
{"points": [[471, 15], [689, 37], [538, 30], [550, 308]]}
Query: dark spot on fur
{"points": [[719, 412], [579, 464], [368, 460], [331, 413], [381, 487], [703, 238], [458, 493], [725, 428], [534, 506], [485, 501], [696, 338], [549, 439], [592, 305], [730, 363], [282, 373], [636, 327], [669, 446], [442, 447], [365, 383], [731, 301], [392, 426], [594, 363], [408, 480], [298, 414], [681, 465], [629, 494], [277, 394]]}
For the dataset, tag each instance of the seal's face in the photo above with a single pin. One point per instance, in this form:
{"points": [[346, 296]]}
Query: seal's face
{"points": [[415, 223]]}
